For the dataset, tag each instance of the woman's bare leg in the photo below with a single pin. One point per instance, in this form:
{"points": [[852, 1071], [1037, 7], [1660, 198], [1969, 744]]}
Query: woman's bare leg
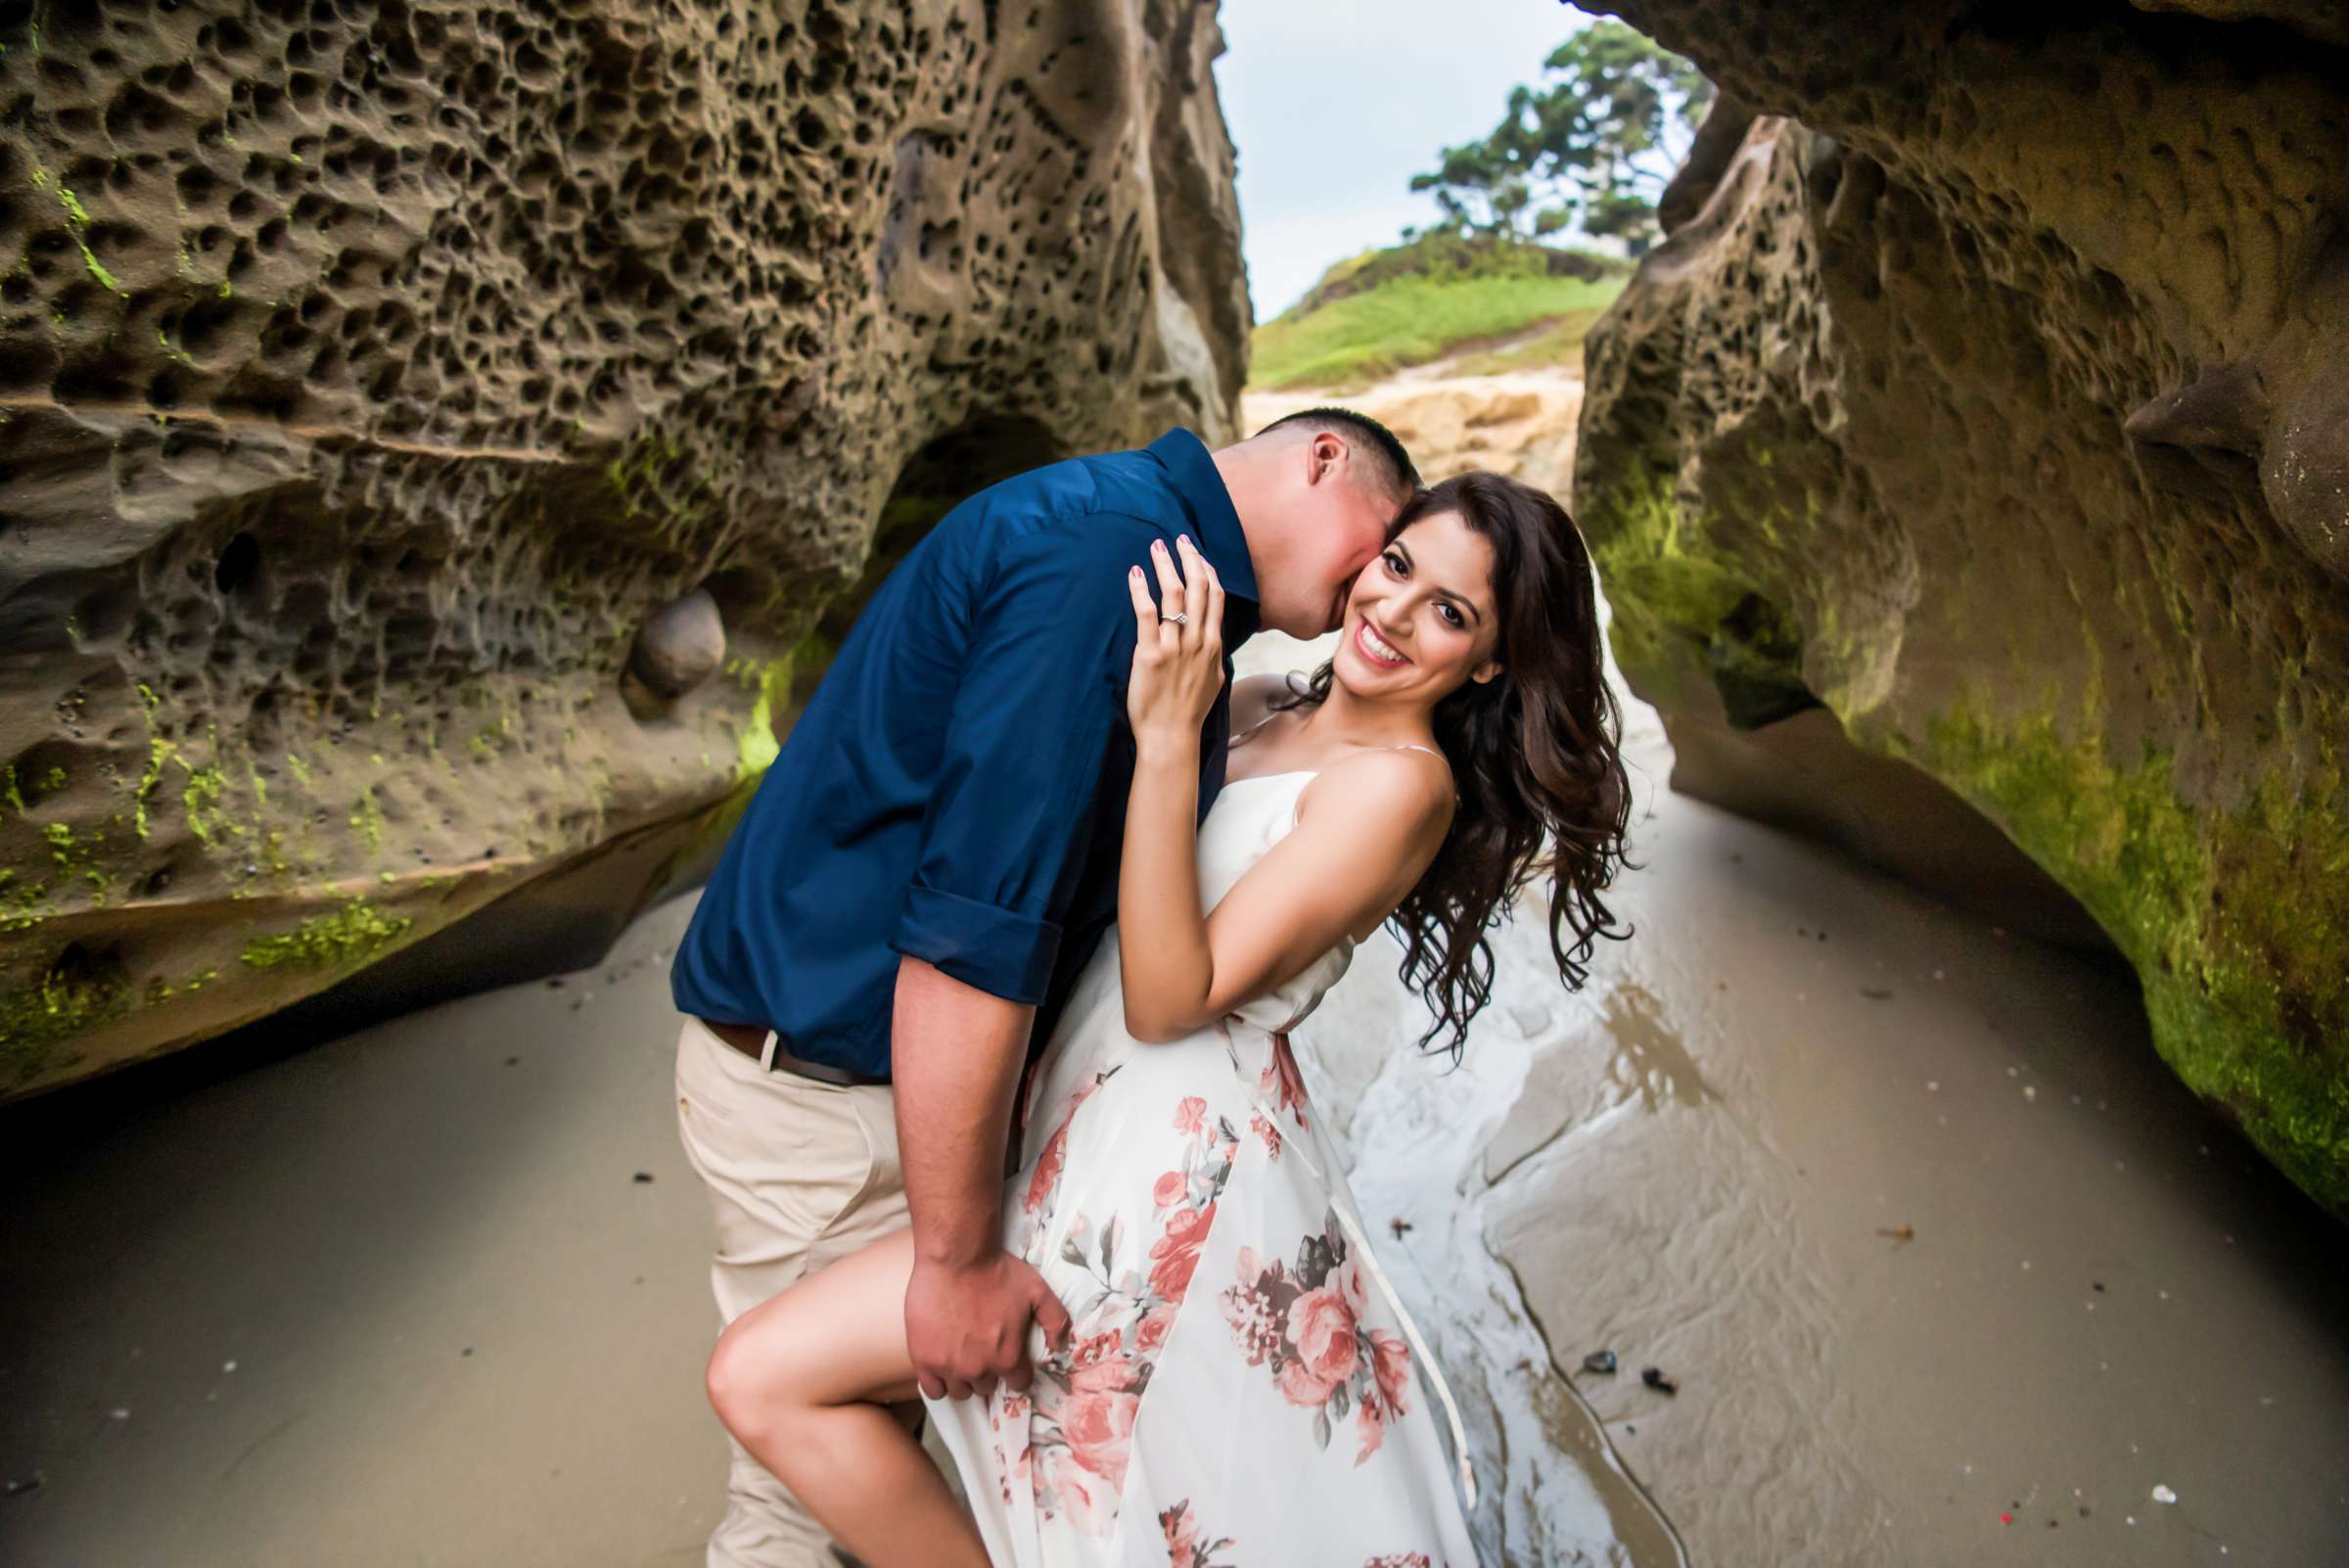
{"points": [[801, 1381]]}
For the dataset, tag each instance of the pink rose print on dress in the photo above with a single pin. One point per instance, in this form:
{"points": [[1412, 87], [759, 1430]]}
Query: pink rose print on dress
{"points": [[1269, 1132], [1399, 1559], [1391, 1363], [1282, 1081], [1152, 1331], [1044, 1182], [1086, 1398], [1321, 1327], [1096, 1417], [1307, 1327], [1184, 1548], [1175, 1256]]}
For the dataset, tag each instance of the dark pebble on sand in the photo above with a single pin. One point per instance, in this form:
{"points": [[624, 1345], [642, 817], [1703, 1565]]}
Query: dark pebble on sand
{"points": [[1873, 993], [555, 983], [1599, 1362], [644, 1179], [1653, 1377]]}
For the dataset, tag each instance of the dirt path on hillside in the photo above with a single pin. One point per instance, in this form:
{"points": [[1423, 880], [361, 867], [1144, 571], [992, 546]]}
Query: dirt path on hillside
{"points": [[1521, 423]]}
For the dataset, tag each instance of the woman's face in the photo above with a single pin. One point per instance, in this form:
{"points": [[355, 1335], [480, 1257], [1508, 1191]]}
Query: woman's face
{"points": [[1421, 620]]}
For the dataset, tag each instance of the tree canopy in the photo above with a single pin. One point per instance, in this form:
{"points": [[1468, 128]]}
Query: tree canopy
{"points": [[1591, 146]]}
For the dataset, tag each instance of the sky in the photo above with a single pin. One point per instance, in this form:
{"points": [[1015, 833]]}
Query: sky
{"points": [[1335, 104]]}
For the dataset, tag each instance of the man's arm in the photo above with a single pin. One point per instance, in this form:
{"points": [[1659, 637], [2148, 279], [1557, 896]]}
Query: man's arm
{"points": [[957, 1054], [1003, 834]]}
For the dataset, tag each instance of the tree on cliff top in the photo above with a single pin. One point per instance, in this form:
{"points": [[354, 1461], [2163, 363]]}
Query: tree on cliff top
{"points": [[1592, 145]]}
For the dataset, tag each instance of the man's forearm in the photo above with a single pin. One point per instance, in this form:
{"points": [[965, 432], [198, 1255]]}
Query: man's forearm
{"points": [[955, 1054]]}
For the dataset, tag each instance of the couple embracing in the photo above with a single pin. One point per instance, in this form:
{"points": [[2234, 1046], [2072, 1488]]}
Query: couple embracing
{"points": [[986, 1056]]}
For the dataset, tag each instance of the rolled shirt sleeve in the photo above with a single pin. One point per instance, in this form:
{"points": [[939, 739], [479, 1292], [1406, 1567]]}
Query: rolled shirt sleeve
{"points": [[1040, 702]]}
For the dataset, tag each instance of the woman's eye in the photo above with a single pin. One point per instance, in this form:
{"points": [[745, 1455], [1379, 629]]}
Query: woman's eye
{"points": [[1452, 615], [1394, 563]]}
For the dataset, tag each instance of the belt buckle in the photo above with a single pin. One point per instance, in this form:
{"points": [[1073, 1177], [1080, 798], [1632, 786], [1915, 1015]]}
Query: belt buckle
{"points": [[766, 1051]]}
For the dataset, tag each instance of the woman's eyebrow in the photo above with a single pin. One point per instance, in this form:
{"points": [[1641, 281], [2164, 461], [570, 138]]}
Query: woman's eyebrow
{"points": [[1467, 604]]}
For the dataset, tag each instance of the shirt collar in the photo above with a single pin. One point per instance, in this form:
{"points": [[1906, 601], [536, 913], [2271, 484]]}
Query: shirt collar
{"points": [[1205, 497]]}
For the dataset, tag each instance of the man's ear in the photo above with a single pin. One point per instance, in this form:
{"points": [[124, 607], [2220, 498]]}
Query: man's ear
{"points": [[1323, 454]]}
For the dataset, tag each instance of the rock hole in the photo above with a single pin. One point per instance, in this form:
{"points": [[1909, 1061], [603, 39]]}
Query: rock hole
{"points": [[239, 565]]}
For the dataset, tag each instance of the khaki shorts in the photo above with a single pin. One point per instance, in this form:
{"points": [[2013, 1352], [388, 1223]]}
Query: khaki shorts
{"points": [[799, 1173]]}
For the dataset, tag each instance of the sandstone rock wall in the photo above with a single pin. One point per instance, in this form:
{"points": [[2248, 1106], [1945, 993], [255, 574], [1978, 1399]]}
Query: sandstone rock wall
{"points": [[1997, 395], [428, 430]]}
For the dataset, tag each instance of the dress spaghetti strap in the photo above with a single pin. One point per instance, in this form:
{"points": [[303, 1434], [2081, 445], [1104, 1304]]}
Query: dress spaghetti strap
{"points": [[1414, 746]]}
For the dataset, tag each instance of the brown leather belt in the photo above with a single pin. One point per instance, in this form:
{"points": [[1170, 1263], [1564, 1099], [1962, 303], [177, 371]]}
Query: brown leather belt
{"points": [[750, 1040]]}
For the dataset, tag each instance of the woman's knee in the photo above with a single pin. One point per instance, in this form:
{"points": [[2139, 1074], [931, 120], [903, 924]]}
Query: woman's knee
{"points": [[749, 1383]]}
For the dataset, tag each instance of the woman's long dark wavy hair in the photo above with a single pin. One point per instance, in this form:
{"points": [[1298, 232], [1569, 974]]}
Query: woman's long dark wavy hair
{"points": [[1536, 754]]}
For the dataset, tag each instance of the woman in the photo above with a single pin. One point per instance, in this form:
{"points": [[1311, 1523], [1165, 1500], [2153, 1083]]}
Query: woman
{"points": [[1238, 1385]]}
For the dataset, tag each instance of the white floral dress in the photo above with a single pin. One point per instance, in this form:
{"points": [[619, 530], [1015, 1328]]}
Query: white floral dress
{"points": [[1241, 1389]]}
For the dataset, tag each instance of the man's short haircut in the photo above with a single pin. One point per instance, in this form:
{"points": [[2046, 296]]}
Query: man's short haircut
{"points": [[1382, 457]]}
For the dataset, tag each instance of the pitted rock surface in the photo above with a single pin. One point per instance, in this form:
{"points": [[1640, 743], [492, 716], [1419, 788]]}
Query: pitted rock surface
{"points": [[1996, 397], [369, 376]]}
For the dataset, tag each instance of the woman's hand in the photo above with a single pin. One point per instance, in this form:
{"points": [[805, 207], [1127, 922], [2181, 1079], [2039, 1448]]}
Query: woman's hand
{"points": [[1177, 665]]}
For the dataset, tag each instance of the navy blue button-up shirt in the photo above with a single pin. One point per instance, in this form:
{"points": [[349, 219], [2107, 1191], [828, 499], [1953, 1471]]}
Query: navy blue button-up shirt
{"points": [[956, 790]]}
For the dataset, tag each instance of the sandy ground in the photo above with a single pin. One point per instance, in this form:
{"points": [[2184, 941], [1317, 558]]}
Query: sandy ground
{"points": [[1948, 1269], [401, 1298]]}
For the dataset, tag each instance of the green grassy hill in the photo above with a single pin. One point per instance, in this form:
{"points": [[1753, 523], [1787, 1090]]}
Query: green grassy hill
{"points": [[1377, 312]]}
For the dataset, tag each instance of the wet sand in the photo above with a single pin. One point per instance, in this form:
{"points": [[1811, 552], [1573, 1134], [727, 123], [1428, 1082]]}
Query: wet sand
{"points": [[462, 1332], [399, 1299]]}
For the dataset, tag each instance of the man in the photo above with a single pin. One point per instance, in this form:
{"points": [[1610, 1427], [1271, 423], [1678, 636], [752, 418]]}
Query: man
{"points": [[929, 862]]}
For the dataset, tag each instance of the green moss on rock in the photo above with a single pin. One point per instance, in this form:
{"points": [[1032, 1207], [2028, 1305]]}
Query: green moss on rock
{"points": [[64, 1003], [2233, 919], [367, 819], [1681, 614], [758, 746], [350, 935]]}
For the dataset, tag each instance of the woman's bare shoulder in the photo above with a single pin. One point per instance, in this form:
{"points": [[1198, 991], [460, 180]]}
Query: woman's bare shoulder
{"points": [[1406, 790]]}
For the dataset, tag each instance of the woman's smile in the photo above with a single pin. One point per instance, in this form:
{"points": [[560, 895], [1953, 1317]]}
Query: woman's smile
{"points": [[1375, 648]]}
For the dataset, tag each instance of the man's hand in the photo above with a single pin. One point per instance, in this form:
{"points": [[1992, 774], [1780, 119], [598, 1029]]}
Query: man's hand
{"points": [[967, 1327]]}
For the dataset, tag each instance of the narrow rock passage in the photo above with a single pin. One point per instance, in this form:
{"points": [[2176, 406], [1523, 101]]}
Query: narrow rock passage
{"points": [[1945, 1266]]}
